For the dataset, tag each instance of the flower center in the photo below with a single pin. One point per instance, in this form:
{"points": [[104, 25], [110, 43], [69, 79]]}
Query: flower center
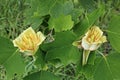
{"points": [[93, 35]]}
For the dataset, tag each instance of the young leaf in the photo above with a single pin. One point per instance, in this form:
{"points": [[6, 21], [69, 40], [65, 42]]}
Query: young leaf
{"points": [[61, 23]]}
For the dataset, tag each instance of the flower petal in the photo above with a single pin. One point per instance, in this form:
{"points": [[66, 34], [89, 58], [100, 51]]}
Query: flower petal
{"points": [[94, 47], [41, 37], [85, 44], [103, 39]]}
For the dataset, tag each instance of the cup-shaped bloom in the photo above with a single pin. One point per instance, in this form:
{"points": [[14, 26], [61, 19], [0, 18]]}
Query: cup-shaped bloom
{"points": [[93, 39], [28, 41]]}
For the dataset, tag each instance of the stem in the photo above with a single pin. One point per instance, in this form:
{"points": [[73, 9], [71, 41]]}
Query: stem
{"points": [[30, 63], [85, 57]]}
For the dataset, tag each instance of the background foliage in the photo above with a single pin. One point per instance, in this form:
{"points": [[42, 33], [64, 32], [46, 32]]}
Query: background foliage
{"points": [[63, 22]]}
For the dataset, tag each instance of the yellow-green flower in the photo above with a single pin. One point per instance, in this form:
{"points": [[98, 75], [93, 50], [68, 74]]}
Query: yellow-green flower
{"points": [[93, 39], [28, 41]]}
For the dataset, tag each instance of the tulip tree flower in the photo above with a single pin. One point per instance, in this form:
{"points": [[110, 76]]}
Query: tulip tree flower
{"points": [[90, 42], [28, 41]]}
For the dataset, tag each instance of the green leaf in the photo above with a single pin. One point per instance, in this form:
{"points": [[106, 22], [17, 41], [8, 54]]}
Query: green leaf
{"points": [[6, 49], [67, 54], [114, 32], [108, 68], [38, 9], [65, 8], [91, 58], [60, 39], [34, 21], [87, 4], [61, 8], [76, 13], [43, 6], [42, 75], [61, 23], [62, 48], [10, 59], [88, 21], [40, 59]]}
